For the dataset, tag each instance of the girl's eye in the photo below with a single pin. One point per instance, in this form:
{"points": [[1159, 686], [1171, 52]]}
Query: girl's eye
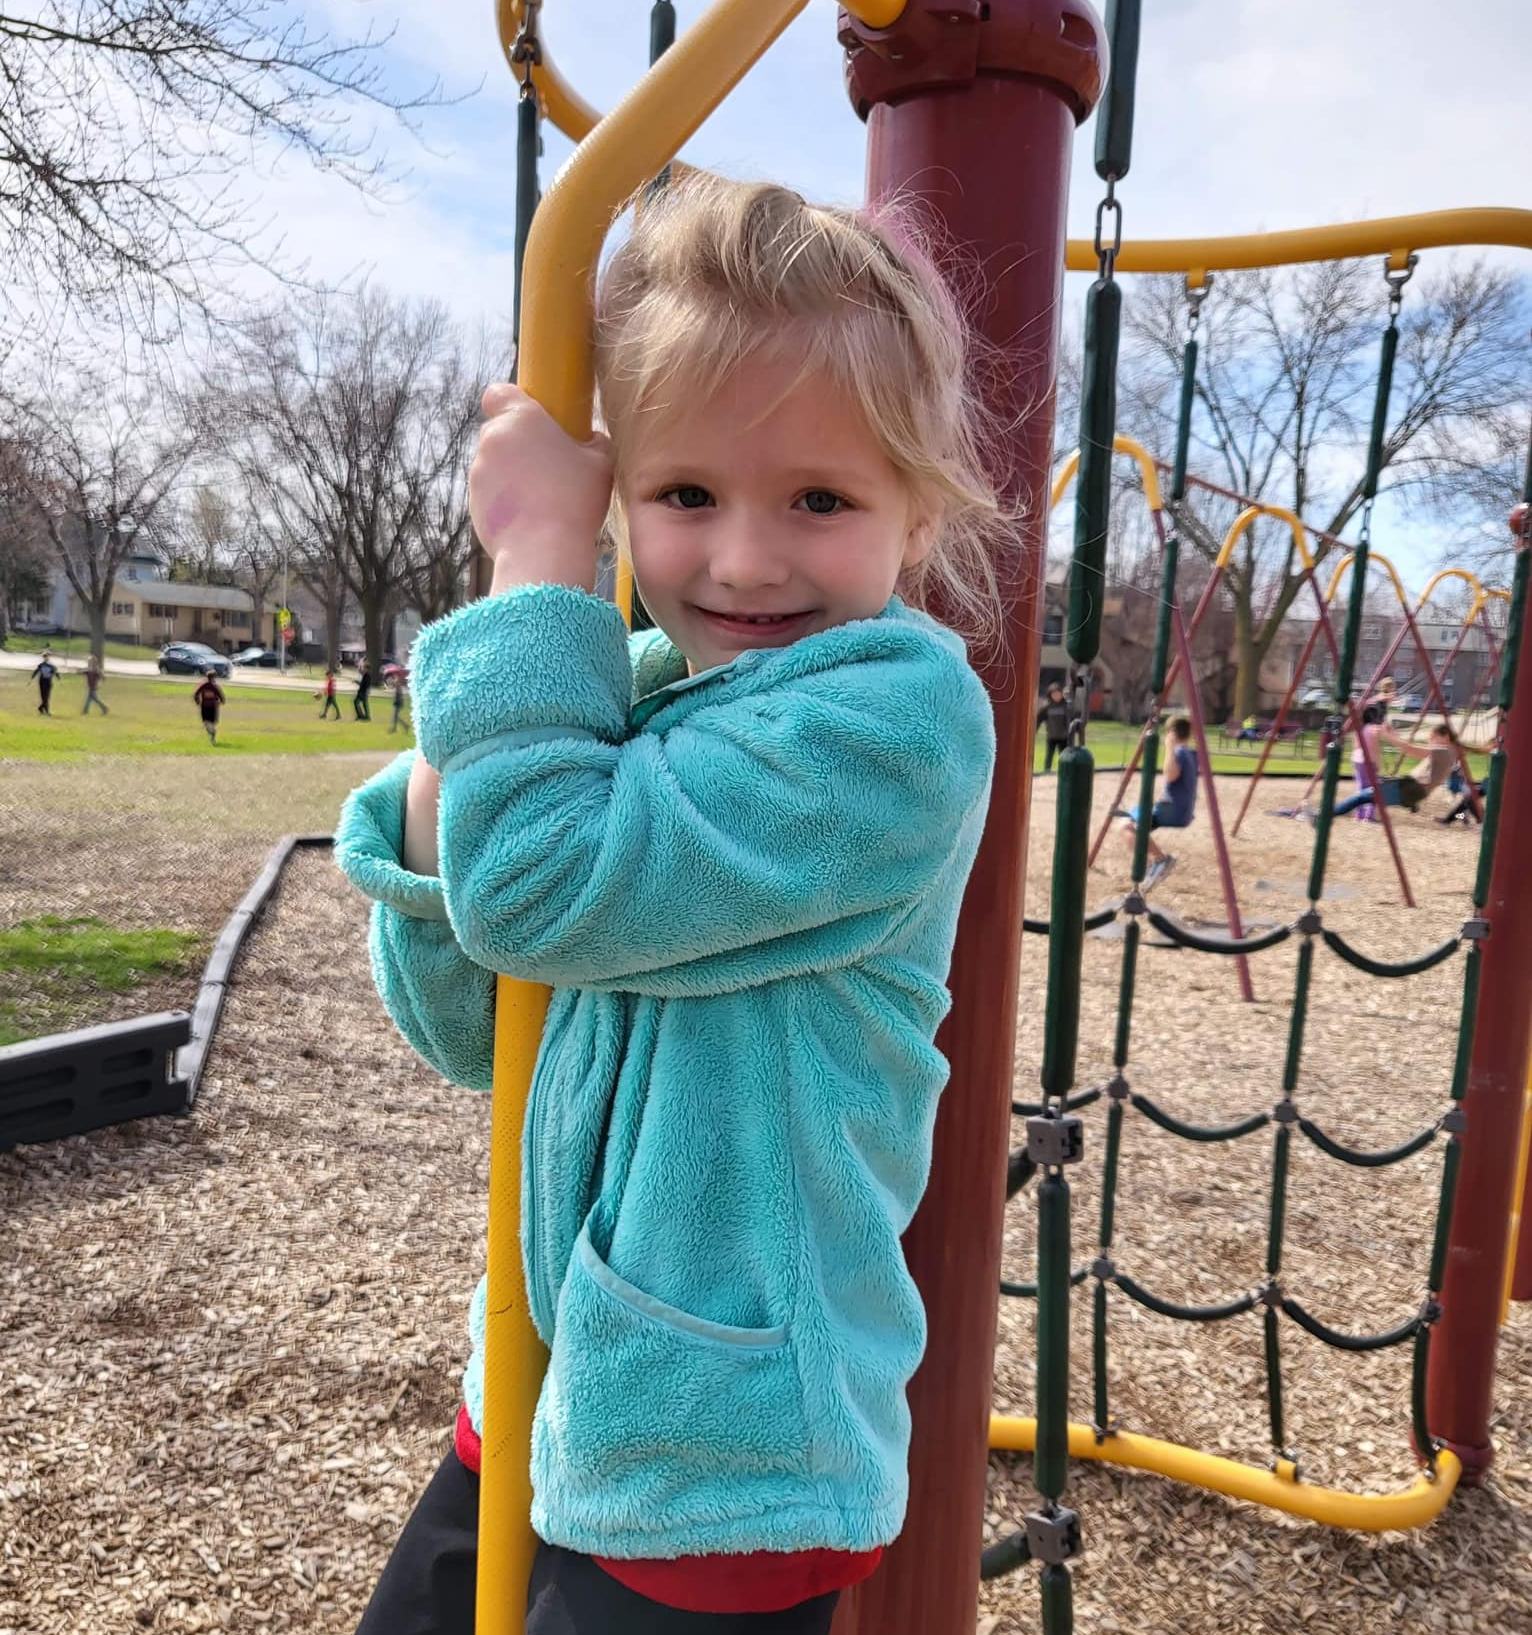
{"points": [[822, 502], [687, 497]]}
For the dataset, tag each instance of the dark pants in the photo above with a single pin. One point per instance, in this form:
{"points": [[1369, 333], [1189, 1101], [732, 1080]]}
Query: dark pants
{"points": [[92, 697], [398, 711], [330, 704], [1056, 746], [44, 693], [359, 704], [427, 1587]]}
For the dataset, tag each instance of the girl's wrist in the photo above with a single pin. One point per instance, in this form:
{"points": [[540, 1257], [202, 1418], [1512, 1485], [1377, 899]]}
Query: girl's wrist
{"points": [[551, 561]]}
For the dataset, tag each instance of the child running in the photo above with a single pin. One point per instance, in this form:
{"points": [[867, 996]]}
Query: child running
{"points": [[735, 845], [1177, 805], [327, 693], [209, 698]]}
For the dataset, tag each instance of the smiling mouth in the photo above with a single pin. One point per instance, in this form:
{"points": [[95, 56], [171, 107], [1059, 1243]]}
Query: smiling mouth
{"points": [[755, 621]]}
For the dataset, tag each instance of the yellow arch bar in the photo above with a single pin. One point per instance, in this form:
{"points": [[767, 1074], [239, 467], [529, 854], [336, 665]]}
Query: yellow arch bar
{"points": [[1372, 556], [573, 115], [1277, 1490], [1393, 236], [1120, 445]]}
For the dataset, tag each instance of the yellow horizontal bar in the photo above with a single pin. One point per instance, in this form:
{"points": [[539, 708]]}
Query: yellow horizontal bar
{"points": [[570, 111], [1120, 445], [1277, 1490], [1393, 236]]}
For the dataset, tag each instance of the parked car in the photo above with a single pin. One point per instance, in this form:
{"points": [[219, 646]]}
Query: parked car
{"points": [[39, 627], [1412, 703], [264, 658], [192, 659], [1316, 697]]}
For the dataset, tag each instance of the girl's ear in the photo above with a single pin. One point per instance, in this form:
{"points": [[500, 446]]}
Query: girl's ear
{"points": [[921, 538]]}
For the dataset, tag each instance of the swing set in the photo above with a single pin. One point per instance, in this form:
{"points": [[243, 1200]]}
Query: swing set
{"points": [[945, 86]]}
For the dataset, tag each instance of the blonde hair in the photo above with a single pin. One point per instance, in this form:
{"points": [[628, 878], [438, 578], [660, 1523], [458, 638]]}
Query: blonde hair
{"points": [[717, 271]]}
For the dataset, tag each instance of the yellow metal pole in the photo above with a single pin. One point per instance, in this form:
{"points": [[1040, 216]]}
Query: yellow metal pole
{"points": [[1514, 1231], [1277, 1489]]}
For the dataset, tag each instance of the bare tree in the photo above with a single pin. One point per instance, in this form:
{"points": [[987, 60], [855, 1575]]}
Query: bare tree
{"points": [[128, 126], [1284, 400], [24, 562], [351, 416], [102, 463]]}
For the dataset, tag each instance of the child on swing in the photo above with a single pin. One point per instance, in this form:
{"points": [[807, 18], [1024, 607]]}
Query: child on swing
{"points": [[735, 846]]}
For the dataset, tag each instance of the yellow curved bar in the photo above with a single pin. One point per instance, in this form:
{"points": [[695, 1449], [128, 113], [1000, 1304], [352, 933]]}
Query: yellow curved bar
{"points": [[631, 144], [1393, 236], [1372, 556], [1277, 1490], [1120, 445], [571, 112], [1470, 579], [1249, 517]]}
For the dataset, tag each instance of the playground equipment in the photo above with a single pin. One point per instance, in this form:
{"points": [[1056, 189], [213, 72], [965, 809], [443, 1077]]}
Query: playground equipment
{"points": [[69, 1083], [944, 87]]}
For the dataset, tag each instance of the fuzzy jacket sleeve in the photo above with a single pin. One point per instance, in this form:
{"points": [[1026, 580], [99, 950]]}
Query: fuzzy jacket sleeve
{"points": [[782, 831], [439, 999]]}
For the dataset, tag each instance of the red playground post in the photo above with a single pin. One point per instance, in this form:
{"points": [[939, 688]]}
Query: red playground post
{"points": [[1460, 1383], [971, 110]]}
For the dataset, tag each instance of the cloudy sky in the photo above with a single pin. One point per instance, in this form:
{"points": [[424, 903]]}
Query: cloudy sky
{"points": [[1252, 114]]}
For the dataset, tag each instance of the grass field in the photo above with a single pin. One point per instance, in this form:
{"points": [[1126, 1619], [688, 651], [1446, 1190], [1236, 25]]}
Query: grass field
{"points": [[157, 717]]}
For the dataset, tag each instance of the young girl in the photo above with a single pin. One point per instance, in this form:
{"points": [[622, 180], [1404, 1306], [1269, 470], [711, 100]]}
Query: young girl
{"points": [[735, 846]]}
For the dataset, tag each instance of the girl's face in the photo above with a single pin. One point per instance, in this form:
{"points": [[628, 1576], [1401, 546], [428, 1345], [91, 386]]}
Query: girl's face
{"points": [[764, 514]]}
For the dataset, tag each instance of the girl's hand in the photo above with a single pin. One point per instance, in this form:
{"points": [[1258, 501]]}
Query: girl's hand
{"points": [[538, 499]]}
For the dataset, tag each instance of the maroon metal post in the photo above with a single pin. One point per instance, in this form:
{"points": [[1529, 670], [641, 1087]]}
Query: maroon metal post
{"points": [[971, 107], [1461, 1381]]}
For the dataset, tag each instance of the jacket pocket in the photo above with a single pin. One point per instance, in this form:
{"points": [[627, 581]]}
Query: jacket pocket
{"points": [[635, 1381]]}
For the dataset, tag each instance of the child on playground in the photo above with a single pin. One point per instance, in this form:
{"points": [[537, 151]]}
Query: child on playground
{"points": [[327, 693], [735, 846], [1177, 803], [209, 699], [1055, 723]]}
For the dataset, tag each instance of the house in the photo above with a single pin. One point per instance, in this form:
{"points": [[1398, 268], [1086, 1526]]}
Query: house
{"points": [[1468, 679], [150, 609], [1054, 665]]}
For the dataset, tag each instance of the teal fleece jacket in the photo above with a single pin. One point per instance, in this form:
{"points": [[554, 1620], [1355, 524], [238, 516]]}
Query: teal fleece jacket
{"points": [[743, 888]]}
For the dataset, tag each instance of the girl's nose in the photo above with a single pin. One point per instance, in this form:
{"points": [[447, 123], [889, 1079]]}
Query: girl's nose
{"points": [[743, 557]]}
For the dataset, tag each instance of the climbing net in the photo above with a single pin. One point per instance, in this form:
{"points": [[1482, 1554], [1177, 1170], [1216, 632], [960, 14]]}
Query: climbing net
{"points": [[1054, 1129]]}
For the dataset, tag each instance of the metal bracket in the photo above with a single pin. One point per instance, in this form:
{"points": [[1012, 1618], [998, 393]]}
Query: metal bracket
{"points": [[1309, 923], [1134, 903], [1053, 1538], [1430, 1311], [1475, 929], [1455, 1120], [1104, 1267], [1285, 1112], [1055, 1139], [1117, 1087], [1270, 1294]]}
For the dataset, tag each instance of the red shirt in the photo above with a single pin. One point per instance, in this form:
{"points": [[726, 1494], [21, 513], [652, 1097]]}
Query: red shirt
{"points": [[765, 1581]]}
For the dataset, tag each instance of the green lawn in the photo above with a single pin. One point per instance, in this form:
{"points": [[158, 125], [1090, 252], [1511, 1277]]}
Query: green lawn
{"points": [[157, 717], [58, 963]]}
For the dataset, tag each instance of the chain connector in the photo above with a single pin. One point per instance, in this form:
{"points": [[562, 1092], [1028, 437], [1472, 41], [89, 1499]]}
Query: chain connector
{"points": [[1054, 1140], [1396, 278], [526, 49], [1106, 254], [1196, 294], [1053, 1536]]}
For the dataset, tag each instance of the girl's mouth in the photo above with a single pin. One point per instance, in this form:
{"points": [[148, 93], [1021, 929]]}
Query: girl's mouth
{"points": [[757, 629]]}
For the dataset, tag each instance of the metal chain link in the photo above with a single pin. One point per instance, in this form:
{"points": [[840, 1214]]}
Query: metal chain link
{"points": [[527, 48]]}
